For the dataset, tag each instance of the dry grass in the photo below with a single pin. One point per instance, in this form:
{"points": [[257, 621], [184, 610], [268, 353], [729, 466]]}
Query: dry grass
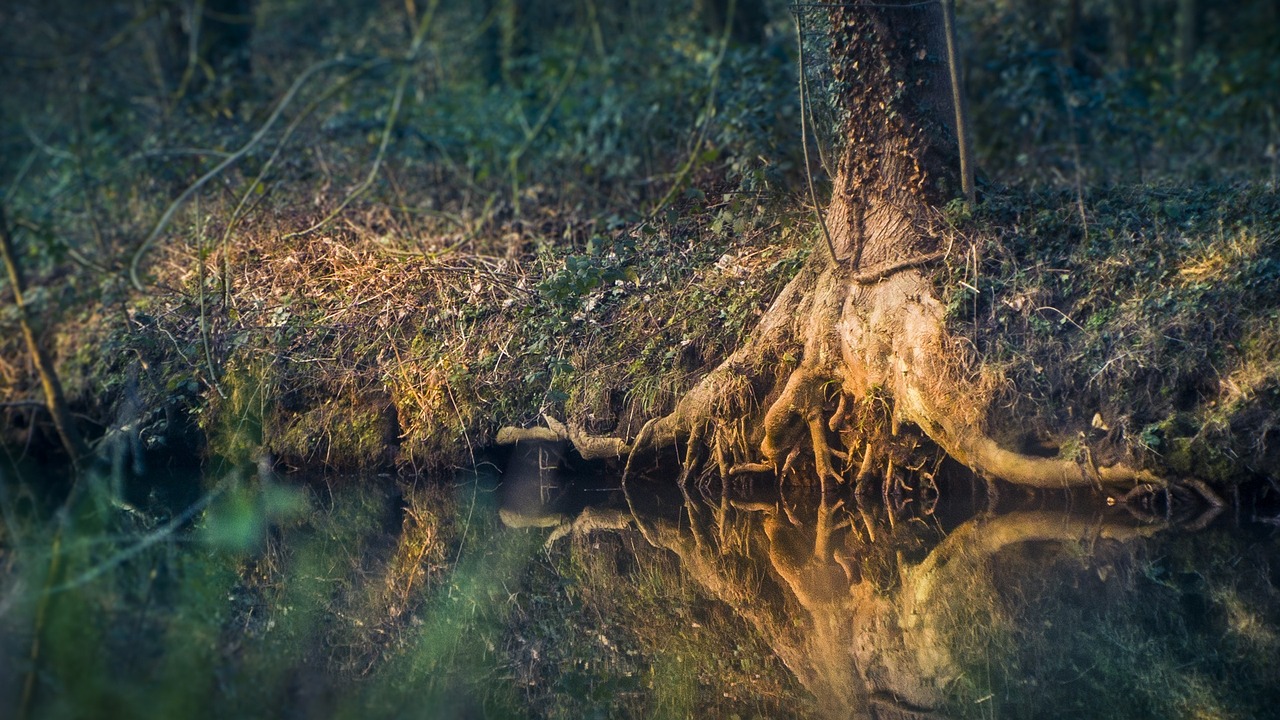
{"points": [[368, 348]]}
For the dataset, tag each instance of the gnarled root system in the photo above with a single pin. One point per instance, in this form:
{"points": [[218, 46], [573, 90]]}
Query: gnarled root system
{"points": [[841, 362]]}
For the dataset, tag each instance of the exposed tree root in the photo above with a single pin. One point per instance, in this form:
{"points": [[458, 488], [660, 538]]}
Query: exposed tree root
{"points": [[853, 342], [849, 334], [884, 337], [590, 447]]}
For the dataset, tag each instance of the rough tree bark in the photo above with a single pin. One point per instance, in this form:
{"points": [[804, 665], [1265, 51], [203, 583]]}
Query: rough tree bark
{"points": [[867, 323]]}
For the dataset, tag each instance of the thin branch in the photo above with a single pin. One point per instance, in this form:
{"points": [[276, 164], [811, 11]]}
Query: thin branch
{"points": [[884, 270], [196, 21], [958, 101], [201, 254], [163, 222], [393, 115], [134, 550], [22, 173], [804, 143], [530, 134], [55, 400], [239, 211], [707, 112]]}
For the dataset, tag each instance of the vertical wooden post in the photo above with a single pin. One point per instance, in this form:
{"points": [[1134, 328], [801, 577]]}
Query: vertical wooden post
{"points": [[958, 100]]}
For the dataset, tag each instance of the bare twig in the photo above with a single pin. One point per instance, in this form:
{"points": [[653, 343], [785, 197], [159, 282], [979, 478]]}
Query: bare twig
{"points": [[707, 111], [252, 187], [958, 101], [804, 143], [884, 270], [201, 254], [513, 159], [231, 159], [54, 398], [393, 114], [138, 547]]}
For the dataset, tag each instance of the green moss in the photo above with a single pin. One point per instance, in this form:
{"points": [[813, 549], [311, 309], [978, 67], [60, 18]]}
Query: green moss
{"points": [[336, 432]]}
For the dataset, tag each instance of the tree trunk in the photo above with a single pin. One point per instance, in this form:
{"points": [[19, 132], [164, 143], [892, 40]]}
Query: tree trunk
{"points": [[1123, 18], [226, 30], [504, 42], [209, 40], [1188, 21]]}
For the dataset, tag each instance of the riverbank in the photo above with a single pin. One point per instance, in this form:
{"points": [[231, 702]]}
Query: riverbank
{"points": [[1145, 316]]}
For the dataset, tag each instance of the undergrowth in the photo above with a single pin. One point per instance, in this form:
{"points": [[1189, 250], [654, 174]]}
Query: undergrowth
{"points": [[1143, 316]]}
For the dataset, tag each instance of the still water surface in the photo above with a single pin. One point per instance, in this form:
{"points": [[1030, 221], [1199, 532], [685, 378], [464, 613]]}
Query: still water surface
{"points": [[519, 591]]}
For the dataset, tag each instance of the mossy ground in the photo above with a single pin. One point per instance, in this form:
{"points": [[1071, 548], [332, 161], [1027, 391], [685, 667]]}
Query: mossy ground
{"points": [[1148, 317], [1156, 310]]}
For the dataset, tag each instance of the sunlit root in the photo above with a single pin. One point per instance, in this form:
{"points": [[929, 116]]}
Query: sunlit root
{"points": [[692, 454], [829, 340], [792, 455], [722, 455], [823, 453], [797, 409], [864, 471], [988, 459], [590, 447], [840, 418]]}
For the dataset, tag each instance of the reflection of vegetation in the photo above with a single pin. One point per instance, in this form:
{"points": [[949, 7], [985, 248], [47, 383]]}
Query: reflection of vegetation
{"points": [[1027, 614], [373, 603], [657, 644], [417, 602], [1185, 628]]}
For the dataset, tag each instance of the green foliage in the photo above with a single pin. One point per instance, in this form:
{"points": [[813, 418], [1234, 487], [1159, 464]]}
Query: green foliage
{"points": [[1172, 630], [320, 615], [604, 263], [240, 516], [1104, 97]]}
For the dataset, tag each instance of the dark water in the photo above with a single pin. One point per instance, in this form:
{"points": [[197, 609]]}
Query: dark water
{"points": [[523, 590]]}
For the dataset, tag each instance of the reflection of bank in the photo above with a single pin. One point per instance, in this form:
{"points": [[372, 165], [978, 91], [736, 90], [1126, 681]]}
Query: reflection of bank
{"points": [[1001, 616], [532, 487]]}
